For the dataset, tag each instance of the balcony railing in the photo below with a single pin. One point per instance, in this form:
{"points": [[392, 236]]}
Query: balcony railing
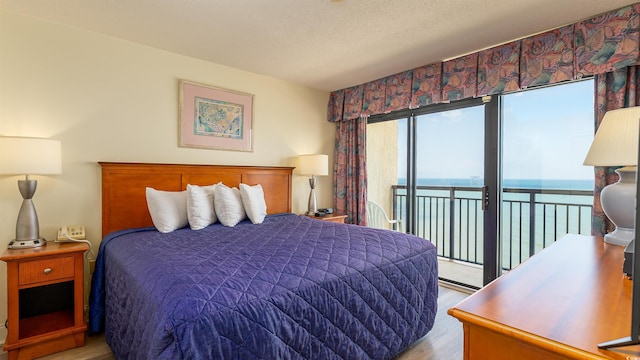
{"points": [[452, 219]]}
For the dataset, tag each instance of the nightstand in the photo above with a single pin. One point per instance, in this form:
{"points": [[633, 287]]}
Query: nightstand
{"points": [[45, 291], [337, 218]]}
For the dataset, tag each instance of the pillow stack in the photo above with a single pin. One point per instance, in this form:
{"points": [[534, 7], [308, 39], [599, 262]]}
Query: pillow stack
{"points": [[201, 206]]}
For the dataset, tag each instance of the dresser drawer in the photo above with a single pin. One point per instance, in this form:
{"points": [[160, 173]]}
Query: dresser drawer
{"points": [[31, 272]]}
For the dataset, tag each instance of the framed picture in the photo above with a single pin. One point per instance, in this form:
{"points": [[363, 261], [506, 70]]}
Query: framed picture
{"points": [[215, 118]]}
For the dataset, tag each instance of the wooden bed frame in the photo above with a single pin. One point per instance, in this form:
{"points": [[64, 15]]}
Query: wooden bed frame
{"points": [[124, 202]]}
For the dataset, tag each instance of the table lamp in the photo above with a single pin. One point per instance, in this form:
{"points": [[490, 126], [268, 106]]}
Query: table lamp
{"points": [[313, 165], [29, 156], [616, 144]]}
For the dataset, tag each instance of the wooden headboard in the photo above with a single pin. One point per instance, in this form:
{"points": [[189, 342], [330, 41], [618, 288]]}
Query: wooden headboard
{"points": [[124, 202]]}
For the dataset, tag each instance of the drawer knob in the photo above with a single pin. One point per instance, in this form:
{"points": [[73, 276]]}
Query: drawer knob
{"points": [[47, 270]]}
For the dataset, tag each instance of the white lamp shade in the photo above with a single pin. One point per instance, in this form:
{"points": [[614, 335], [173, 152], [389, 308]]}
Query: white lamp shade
{"points": [[313, 165], [616, 141], [30, 156]]}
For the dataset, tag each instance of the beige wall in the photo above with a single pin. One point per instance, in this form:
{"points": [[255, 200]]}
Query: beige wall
{"points": [[111, 100], [382, 163]]}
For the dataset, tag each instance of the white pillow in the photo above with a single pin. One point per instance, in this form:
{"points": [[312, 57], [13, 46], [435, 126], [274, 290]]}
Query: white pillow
{"points": [[253, 202], [228, 205], [168, 209], [200, 211]]}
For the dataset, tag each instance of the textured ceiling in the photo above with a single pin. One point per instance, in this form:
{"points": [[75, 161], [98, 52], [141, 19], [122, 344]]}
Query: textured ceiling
{"points": [[323, 44]]}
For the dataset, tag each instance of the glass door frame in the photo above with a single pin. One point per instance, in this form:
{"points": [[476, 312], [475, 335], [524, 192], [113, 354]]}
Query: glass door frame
{"points": [[492, 187]]}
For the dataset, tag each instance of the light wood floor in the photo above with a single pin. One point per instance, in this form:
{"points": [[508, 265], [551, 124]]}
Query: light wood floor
{"points": [[444, 341]]}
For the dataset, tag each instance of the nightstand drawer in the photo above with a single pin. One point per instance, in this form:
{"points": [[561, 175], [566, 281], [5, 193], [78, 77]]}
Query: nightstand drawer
{"points": [[31, 272]]}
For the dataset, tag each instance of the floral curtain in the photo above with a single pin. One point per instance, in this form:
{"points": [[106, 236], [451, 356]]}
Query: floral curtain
{"points": [[374, 97], [459, 78], [613, 90], [350, 170], [336, 106], [499, 69], [398, 93], [353, 102], [426, 88], [607, 42], [547, 58]]}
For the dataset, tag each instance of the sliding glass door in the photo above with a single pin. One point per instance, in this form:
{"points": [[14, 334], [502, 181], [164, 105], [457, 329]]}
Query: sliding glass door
{"points": [[449, 180], [427, 169]]}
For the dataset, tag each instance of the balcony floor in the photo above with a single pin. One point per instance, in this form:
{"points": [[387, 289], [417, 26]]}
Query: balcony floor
{"points": [[460, 272]]}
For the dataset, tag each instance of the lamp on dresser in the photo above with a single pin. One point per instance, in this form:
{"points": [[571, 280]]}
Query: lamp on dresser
{"points": [[616, 144], [29, 156], [313, 165]]}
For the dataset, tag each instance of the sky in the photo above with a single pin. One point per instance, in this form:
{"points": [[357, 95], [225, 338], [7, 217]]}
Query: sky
{"points": [[546, 135]]}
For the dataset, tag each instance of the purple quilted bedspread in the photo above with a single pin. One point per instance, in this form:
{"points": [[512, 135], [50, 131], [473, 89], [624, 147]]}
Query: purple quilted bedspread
{"points": [[290, 288]]}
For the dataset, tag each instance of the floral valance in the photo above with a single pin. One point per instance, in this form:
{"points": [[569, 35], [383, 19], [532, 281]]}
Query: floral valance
{"points": [[374, 97], [547, 58], [607, 42], [602, 44], [426, 86], [353, 99], [398, 92], [499, 69], [459, 77]]}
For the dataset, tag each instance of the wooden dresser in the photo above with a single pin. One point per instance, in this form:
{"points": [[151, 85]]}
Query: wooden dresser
{"points": [[559, 304]]}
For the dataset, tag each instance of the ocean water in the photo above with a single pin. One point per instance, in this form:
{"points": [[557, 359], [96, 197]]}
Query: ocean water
{"points": [[555, 184], [553, 216]]}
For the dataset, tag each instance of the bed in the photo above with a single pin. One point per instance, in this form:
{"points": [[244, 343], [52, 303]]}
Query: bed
{"points": [[291, 287]]}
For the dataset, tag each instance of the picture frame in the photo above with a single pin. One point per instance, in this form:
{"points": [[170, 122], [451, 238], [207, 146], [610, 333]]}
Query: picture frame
{"points": [[215, 118]]}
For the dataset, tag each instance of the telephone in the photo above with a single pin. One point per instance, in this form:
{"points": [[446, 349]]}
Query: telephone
{"points": [[71, 233], [75, 233]]}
